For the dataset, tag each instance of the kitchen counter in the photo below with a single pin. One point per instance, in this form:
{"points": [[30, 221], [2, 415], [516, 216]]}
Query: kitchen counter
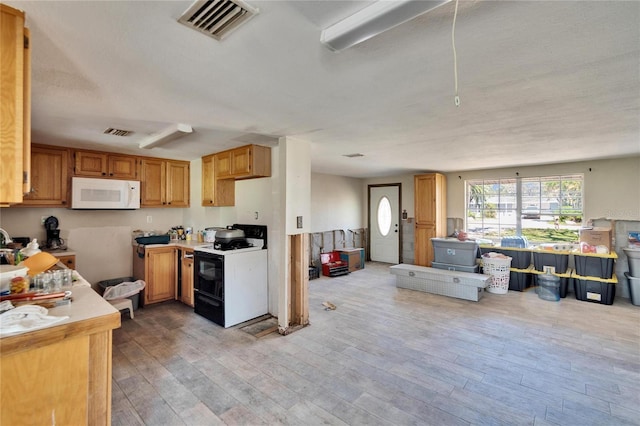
{"points": [[59, 253], [61, 373]]}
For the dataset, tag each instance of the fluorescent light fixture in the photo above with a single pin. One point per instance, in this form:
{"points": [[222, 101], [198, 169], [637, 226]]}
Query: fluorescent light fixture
{"points": [[373, 20], [169, 134]]}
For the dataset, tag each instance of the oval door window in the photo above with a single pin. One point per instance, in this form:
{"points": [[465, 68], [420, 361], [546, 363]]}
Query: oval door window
{"points": [[384, 216]]}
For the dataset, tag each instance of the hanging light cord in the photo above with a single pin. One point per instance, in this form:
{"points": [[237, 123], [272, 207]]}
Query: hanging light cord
{"points": [[456, 98]]}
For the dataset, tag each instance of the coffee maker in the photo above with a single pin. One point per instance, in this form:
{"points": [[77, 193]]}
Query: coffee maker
{"points": [[53, 234]]}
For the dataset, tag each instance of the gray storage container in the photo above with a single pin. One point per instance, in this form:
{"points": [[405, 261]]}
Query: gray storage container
{"points": [[454, 251], [450, 267]]}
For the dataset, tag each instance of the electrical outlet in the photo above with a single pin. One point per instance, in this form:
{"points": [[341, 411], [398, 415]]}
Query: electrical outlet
{"points": [[149, 219], [299, 222]]}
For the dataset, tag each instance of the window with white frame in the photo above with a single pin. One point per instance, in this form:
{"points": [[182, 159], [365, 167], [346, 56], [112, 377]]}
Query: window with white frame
{"points": [[542, 209]]}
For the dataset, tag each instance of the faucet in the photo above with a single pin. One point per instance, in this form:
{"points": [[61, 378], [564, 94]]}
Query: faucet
{"points": [[7, 238]]}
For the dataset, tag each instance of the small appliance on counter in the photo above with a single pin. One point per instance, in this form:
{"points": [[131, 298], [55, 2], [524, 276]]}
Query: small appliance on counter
{"points": [[54, 242]]}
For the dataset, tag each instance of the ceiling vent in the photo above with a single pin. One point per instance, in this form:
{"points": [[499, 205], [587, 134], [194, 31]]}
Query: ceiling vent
{"points": [[117, 132], [217, 18]]}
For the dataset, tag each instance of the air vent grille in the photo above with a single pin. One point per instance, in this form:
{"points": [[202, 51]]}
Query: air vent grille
{"points": [[117, 132], [217, 18]]}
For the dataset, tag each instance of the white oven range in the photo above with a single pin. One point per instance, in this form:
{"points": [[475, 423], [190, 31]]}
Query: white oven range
{"points": [[231, 286]]}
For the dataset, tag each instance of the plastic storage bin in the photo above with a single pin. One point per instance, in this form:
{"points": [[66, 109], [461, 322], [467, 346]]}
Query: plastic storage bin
{"points": [[559, 261], [520, 279], [450, 267], [519, 242], [592, 289], [565, 279], [595, 265], [135, 299], [520, 258], [454, 251]]}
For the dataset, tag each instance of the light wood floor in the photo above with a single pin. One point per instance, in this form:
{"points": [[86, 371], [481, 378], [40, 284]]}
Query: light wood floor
{"points": [[386, 356]]}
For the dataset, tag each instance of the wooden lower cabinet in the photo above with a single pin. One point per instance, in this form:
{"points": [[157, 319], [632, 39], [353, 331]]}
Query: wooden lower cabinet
{"points": [[423, 249], [158, 269], [186, 290], [68, 261], [61, 375]]}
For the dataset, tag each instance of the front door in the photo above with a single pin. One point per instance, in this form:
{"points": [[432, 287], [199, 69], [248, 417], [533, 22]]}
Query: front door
{"points": [[384, 223]]}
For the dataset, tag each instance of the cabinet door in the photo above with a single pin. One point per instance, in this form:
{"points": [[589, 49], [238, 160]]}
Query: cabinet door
{"points": [[423, 249], [425, 198], [12, 104], [223, 164], [216, 192], [122, 167], [251, 161], [68, 261], [187, 278], [160, 272], [49, 177], [208, 180], [153, 183], [91, 164], [177, 185], [241, 161]]}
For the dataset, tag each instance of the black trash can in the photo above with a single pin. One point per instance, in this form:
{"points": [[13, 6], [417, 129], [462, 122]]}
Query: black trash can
{"points": [[115, 281]]}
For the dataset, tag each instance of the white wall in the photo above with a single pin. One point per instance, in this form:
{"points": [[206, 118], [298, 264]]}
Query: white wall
{"points": [[101, 239], [336, 203]]}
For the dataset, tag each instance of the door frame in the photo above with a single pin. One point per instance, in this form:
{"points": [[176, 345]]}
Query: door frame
{"points": [[380, 185]]}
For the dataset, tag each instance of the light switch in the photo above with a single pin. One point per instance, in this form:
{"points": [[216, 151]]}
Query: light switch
{"points": [[299, 222]]}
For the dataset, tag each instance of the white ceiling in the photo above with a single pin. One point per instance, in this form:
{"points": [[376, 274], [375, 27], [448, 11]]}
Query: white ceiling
{"points": [[540, 82]]}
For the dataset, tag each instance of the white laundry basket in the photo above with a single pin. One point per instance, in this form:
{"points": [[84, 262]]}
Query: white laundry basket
{"points": [[498, 268]]}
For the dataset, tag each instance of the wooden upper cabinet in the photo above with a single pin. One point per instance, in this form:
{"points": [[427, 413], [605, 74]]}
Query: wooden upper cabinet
{"points": [[215, 192], [431, 214], [177, 186], [164, 183], [222, 165], [14, 105], [245, 162], [50, 177], [102, 164], [153, 183], [427, 191]]}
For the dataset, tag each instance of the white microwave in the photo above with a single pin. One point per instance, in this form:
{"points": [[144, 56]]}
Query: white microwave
{"points": [[104, 194]]}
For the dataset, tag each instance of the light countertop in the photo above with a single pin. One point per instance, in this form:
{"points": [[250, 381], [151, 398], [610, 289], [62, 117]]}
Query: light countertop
{"points": [[87, 314]]}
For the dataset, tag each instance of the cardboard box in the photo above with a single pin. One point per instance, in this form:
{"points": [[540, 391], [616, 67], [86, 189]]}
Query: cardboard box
{"points": [[596, 237], [354, 258]]}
